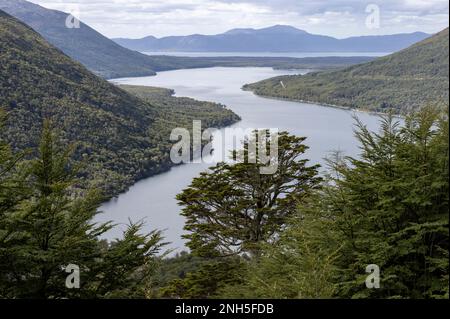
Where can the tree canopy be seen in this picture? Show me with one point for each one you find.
(232, 208)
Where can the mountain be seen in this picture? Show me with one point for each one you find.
(123, 137)
(99, 54)
(404, 81)
(106, 58)
(278, 38)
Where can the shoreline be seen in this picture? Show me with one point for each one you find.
(335, 106)
(166, 167)
(163, 169)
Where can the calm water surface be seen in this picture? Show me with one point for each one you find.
(328, 129)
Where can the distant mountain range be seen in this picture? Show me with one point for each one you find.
(106, 58)
(278, 38)
(403, 81)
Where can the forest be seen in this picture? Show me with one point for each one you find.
(122, 136)
(294, 234)
(105, 58)
(69, 140)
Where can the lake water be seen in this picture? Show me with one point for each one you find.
(328, 129)
(267, 54)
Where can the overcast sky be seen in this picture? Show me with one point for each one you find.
(339, 18)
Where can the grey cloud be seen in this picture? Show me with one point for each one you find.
(318, 6)
(135, 18)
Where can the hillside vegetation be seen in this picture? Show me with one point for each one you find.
(403, 81)
(114, 130)
(99, 54)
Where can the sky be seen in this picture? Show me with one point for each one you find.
(338, 18)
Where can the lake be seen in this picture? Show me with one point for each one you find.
(328, 129)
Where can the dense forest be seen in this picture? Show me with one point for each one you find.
(46, 226)
(403, 81)
(69, 139)
(114, 130)
(388, 207)
(293, 234)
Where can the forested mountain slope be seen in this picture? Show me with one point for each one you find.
(111, 127)
(403, 81)
(99, 54)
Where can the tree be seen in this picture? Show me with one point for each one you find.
(388, 207)
(12, 191)
(207, 281)
(301, 264)
(391, 208)
(55, 227)
(51, 227)
(127, 266)
(234, 207)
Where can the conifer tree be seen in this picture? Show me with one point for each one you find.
(391, 209)
(235, 207)
(388, 207)
(51, 226)
(12, 191)
(55, 224)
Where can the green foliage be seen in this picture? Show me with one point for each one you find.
(177, 267)
(235, 207)
(10, 179)
(127, 266)
(301, 264)
(47, 226)
(389, 207)
(206, 281)
(124, 138)
(404, 81)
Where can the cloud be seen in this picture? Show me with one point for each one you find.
(340, 18)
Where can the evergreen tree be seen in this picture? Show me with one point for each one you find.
(127, 266)
(51, 227)
(389, 207)
(12, 191)
(235, 207)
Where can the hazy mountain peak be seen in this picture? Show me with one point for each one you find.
(240, 31)
(279, 28)
(277, 38)
(285, 29)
